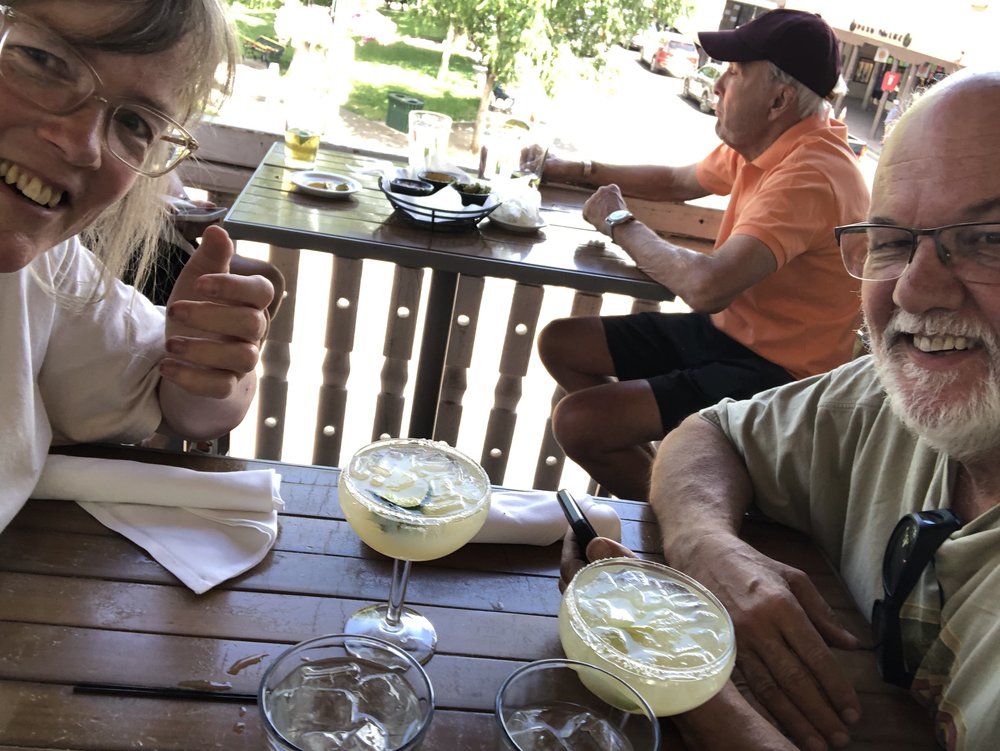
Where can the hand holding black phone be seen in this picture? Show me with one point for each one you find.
(582, 527)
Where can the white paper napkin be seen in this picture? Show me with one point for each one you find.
(534, 517)
(204, 527)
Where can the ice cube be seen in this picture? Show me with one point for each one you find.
(304, 709)
(331, 674)
(367, 735)
(588, 732)
(390, 697)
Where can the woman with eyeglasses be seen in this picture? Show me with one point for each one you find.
(96, 101)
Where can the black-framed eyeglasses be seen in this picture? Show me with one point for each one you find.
(880, 252)
(40, 66)
(911, 547)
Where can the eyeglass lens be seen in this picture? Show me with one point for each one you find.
(881, 253)
(43, 68)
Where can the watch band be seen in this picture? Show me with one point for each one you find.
(616, 219)
(588, 167)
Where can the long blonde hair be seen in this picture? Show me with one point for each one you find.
(126, 232)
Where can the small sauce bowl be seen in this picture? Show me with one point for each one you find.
(407, 187)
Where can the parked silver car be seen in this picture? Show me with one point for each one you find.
(700, 86)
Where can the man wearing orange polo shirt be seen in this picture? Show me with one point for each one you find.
(772, 302)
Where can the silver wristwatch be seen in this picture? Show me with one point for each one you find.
(616, 218)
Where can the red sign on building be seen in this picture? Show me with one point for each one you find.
(890, 81)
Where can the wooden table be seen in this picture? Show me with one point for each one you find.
(79, 603)
(568, 252)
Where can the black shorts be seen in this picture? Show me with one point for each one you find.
(688, 362)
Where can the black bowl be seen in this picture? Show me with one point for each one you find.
(438, 179)
(409, 187)
(472, 193)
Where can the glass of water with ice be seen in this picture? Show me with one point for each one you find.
(546, 706)
(345, 692)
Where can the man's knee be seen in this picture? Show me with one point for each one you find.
(552, 341)
(574, 344)
(576, 424)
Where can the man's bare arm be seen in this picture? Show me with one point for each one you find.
(707, 282)
(700, 491)
(649, 181)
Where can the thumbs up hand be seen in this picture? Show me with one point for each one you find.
(215, 323)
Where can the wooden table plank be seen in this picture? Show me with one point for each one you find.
(47, 713)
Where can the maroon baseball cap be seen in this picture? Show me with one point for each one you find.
(801, 44)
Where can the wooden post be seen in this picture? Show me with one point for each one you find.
(275, 360)
(341, 320)
(526, 304)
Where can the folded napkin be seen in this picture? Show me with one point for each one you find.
(534, 517)
(204, 527)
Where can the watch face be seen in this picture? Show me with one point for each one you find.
(617, 216)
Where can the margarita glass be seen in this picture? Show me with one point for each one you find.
(413, 500)
(657, 629)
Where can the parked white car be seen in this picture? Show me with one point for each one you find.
(700, 86)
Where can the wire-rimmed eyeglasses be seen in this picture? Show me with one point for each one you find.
(880, 252)
(45, 69)
(911, 547)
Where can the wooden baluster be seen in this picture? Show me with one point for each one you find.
(645, 306)
(400, 329)
(526, 304)
(276, 358)
(461, 339)
(548, 468)
(341, 318)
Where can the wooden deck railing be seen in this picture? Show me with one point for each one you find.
(228, 157)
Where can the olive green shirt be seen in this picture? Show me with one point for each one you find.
(827, 456)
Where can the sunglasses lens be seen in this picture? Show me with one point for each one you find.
(898, 554)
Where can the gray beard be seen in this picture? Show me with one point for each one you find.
(964, 429)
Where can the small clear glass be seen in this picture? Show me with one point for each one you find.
(342, 691)
(548, 706)
(413, 500)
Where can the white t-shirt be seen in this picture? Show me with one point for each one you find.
(70, 373)
(827, 456)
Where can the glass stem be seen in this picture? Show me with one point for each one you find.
(397, 592)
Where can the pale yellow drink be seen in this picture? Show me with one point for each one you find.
(414, 499)
(655, 628)
(302, 145)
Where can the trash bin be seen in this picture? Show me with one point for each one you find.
(398, 114)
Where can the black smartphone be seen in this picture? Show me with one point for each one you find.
(581, 525)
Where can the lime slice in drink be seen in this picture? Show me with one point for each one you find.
(403, 489)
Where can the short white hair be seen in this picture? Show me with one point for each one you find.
(807, 100)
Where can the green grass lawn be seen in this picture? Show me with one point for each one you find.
(380, 69)
(410, 68)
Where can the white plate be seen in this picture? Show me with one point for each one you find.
(520, 229)
(308, 182)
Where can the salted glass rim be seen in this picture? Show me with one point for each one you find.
(622, 660)
(386, 511)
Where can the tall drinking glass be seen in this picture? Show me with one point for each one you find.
(414, 500)
(428, 140)
(657, 629)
